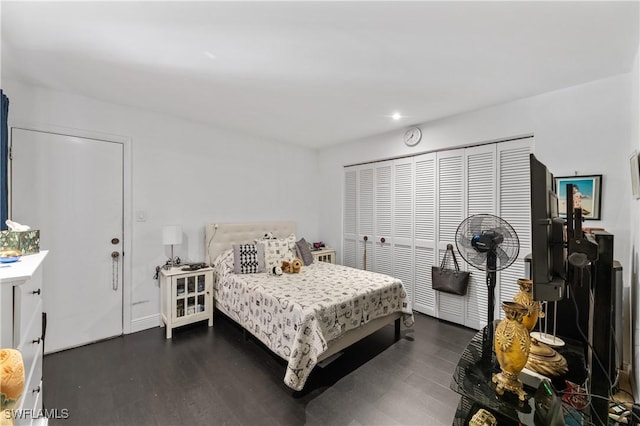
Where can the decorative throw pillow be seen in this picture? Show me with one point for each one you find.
(278, 250)
(304, 252)
(248, 258)
(224, 261)
(291, 242)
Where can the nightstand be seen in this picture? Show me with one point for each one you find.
(324, 255)
(186, 297)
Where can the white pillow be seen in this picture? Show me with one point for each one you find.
(224, 261)
(278, 250)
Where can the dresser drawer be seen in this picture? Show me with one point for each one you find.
(31, 394)
(27, 306)
(32, 344)
(37, 409)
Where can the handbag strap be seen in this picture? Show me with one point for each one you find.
(453, 256)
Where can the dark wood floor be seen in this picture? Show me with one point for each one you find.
(211, 376)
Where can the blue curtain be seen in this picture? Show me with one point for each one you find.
(4, 157)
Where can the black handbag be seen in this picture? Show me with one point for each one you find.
(452, 281)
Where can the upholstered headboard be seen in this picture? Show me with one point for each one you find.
(221, 236)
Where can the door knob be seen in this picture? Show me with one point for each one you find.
(382, 240)
(115, 254)
(115, 241)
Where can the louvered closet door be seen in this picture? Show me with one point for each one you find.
(481, 197)
(451, 179)
(365, 217)
(425, 232)
(403, 266)
(350, 217)
(514, 206)
(382, 260)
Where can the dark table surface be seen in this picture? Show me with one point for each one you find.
(472, 380)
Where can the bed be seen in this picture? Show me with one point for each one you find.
(306, 317)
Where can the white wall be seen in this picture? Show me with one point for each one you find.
(584, 129)
(189, 173)
(186, 173)
(634, 234)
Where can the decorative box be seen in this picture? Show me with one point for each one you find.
(26, 241)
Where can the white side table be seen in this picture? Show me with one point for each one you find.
(186, 297)
(324, 255)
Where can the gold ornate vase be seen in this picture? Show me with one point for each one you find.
(511, 344)
(525, 298)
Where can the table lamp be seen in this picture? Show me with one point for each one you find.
(171, 235)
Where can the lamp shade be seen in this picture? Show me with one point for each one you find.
(171, 235)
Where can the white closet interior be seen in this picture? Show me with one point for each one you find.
(399, 215)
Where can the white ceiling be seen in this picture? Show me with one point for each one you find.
(315, 73)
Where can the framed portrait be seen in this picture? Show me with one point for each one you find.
(587, 193)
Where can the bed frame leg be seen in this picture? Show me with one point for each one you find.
(396, 327)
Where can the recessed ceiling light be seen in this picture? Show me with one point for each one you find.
(396, 116)
(209, 54)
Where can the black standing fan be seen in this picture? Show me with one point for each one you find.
(490, 244)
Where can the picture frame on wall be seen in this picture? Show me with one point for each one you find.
(634, 164)
(587, 193)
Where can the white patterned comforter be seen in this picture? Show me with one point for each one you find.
(295, 315)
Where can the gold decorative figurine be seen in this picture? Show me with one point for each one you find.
(483, 418)
(511, 344)
(525, 298)
(542, 358)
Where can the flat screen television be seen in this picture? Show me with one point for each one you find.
(548, 249)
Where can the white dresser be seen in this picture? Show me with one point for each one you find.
(21, 288)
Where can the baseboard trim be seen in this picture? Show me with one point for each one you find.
(145, 323)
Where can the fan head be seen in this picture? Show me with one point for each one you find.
(487, 242)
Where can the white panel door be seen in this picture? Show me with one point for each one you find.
(350, 217)
(424, 232)
(366, 207)
(481, 199)
(382, 260)
(71, 188)
(514, 206)
(403, 182)
(451, 189)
